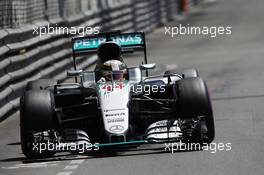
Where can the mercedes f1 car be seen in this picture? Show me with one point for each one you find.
(109, 112)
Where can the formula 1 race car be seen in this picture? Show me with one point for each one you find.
(119, 106)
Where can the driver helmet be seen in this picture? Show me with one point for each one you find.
(109, 51)
(110, 64)
(113, 70)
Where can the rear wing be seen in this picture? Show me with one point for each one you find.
(127, 41)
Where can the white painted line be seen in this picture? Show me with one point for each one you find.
(9, 168)
(71, 167)
(79, 161)
(32, 165)
(65, 173)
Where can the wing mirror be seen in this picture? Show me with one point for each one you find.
(134, 74)
(147, 66)
(74, 73)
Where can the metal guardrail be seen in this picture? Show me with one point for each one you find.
(25, 57)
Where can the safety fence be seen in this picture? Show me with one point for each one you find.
(25, 56)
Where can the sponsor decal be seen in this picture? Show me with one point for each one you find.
(115, 114)
(122, 40)
(116, 128)
(126, 40)
(108, 110)
(106, 89)
(88, 43)
(115, 120)
(111, 87)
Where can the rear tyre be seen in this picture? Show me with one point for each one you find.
(185, 73)
(193, 100)
(40, 84)
(36, 115)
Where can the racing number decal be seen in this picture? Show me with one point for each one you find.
(109, 87)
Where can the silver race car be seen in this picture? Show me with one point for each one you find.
(114, 105)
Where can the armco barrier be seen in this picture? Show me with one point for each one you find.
(25, 57)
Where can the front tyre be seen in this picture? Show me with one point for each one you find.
(193, 101)
(36, 115)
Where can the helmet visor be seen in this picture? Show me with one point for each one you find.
(113, 75)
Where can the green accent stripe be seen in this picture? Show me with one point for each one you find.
(122, 143)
